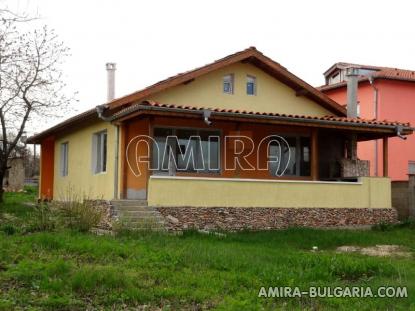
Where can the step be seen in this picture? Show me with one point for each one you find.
(137, 213)
(143, 224)
(134, 208)
(140, 220)
(117, 203)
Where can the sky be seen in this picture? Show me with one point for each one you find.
(152, 40)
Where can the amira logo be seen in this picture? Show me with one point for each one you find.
(202, 154)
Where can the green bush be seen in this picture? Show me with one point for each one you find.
(43, 218)
(383, 226)
(79, 215)
(408, 223)
(8, 229)
(77, 212)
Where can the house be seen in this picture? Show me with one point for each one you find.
(238, 143)
(384, 93)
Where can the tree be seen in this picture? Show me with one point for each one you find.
(31, 84)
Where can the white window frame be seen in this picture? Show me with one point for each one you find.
(229, 78)
(64, 159)
(99, 152)
(248, 78)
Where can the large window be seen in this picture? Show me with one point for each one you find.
(289, 155)
(99, 152)
(185, 150)
(64, 159)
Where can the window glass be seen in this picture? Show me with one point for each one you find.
(64, 159)
(289, 156)
(99, 152)
(186, 150)
(161, 150)
(228, 84)
(250, 85)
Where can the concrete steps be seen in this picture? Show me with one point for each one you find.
(136, 215)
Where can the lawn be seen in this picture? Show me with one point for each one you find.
(69, 270)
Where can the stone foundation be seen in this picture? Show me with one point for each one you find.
(181, 218)
(107, 213)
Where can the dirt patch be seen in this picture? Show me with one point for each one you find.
(377, 250)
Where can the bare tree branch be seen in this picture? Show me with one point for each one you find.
(31, 82)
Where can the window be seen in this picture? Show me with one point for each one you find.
(185, 150)
(250, 85)
(411, 167)
(289, 156)
(228, 84)
(64, 159)
(99, 152)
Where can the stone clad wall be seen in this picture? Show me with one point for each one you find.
(234, 218)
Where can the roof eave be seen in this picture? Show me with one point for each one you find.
(310, 121)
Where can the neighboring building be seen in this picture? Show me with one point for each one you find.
(383, 93)
(298, 175)
(15, 175)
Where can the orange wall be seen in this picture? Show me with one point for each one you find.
(47, 151)
(396, 100)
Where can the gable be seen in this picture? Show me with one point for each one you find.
(272, 96)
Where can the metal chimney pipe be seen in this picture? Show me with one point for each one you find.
(352, 77)
(110, 80)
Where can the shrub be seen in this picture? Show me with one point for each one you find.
(79, 213)
(408, 223)
(383, 226)
(43, 218)
(8, 229)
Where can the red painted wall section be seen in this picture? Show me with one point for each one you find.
(396, 102)
(47, 158)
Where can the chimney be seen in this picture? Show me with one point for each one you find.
(352, 77)
(352, 85)
(110, 81)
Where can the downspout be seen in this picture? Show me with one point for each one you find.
(100, 111)
(376, 115)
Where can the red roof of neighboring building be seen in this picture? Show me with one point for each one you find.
(380, 73)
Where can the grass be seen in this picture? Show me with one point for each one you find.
(68, 270)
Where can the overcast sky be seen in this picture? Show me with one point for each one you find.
(151, 40)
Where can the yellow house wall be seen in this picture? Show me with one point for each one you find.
(370, 192)
(271, 96)
(81, 179)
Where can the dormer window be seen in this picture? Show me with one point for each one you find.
(250, 85)
(228, 84)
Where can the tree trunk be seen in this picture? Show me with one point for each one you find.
(1, 187)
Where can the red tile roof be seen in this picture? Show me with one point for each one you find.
(167, 107)
(250, 55)
(130, 111)
(381, 73)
